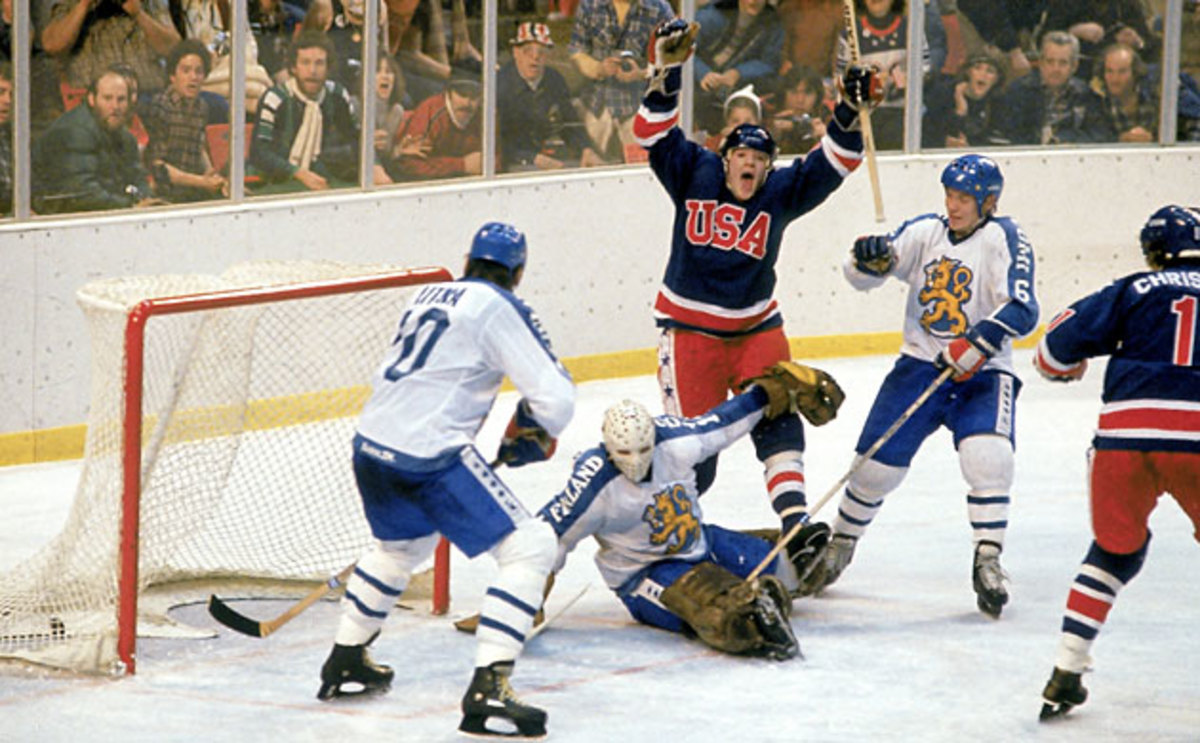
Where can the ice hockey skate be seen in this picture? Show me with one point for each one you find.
(1063, 691)
(349, 671)
(988, 579)
(828, 568)
(772, 607)
(492, 710)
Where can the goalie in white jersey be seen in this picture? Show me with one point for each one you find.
(637, 495)
(419, 474)
(971, 292)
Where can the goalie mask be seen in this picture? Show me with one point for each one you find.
(629, 438)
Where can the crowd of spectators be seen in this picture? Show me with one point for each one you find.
(569, 79)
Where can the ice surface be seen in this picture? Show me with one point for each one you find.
(895, 651)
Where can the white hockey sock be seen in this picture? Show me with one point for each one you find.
(988, 512)
(864, 495)
(506, 615)
(378, 580)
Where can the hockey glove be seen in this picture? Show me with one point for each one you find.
(672, 43)
(966, 355)
(814, 393)
(525, 441)
(874, 255)
(1052, 369)
(861, 85)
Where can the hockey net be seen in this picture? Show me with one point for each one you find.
(218, 448)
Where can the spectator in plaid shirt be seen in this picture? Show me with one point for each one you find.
(608, 45)
(1130, 102)
(177, 155)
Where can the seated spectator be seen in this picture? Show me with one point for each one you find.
(443, 137)
(177, 156)
(1006, 28)
(87, 160)
(740, 43)
(883, 44)
(87, 36)
(389, 114)
(963, 111)
(608, 46)
(539, 127)
(1051, 105)
(799, 111)
(741, 107)
(306, 129)
(1098, 23)
(6, 152)
(1129, 100)
(1131, 93)
(137, 126)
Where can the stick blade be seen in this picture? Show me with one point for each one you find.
(221, 612)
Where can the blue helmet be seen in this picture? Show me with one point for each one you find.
(749, 135)
(500, 243)
(1172, 232)
(977, 175)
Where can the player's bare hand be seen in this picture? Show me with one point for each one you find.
(311, 180)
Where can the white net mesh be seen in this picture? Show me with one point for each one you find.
(248, 414)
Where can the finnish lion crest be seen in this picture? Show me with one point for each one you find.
(672, 520)
(947, 288)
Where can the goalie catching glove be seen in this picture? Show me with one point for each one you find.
(796, 387)
(525, 441)
(672, 43)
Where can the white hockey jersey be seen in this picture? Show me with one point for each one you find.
(456, 342)
(637, 524)
(984, 281)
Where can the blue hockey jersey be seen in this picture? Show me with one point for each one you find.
(1148, 322)
(720, 275)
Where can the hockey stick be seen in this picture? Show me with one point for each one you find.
(237, 622)
(864, 113)
(858, 462)
(470, 623)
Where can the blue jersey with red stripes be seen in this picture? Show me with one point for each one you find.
(1149, 322)
(720, 276)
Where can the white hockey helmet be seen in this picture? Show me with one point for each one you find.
(629, 438)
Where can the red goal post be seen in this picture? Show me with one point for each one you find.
(221, 451)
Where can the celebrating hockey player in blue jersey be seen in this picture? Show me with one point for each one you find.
(971, 291)
(419, 474)
(1148, 438)
(636, 493)
(721, 324)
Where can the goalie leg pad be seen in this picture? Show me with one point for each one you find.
(725, 612)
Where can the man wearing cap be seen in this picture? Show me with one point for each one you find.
(539, 128)
(443, 138)
(306, 129)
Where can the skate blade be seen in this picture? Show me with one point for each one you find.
(1053, 711)
(330, 692)
(476, 727)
